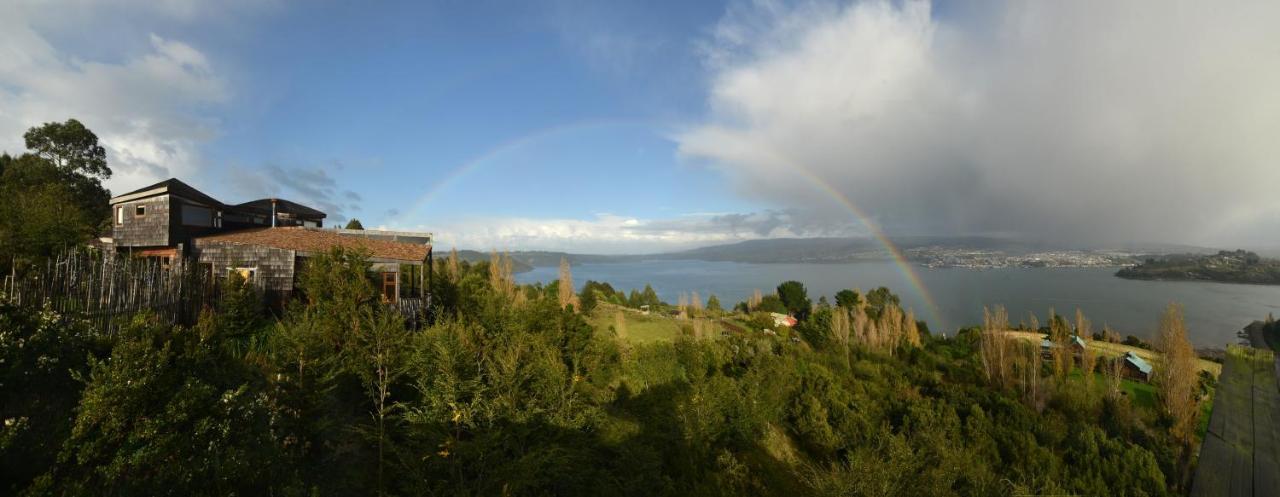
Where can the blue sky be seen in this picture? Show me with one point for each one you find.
(641, 126)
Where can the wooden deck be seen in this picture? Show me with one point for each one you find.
(1240, 456)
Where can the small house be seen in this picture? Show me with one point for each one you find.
(782, 320)
(1136, 367)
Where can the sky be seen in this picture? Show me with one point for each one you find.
(646, 126)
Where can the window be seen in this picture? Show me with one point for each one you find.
(119, 216)
(389, 281)
(139, 210)
(194, 215)
(246, 273)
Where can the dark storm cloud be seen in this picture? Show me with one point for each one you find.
(1074, 121)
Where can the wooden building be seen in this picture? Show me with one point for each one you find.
(161, 220)
(272, 257)
(265, 240)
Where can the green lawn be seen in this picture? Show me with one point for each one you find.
(639, 328)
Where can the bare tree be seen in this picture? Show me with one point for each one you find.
(453, 267)
(566, 295)
(1175, 375)
(911, 331)
(995, 353)
(1060, 338)
(1087, 357)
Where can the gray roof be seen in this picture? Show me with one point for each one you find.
(263, 205)
(1138, 362)
(170, 186)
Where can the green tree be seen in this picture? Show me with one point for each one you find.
(354, 224)
(69, 146)
(171, 413)
(878, 299)
(847, 299)
(771, 303)
(713, 304)
(52, 197)
(795, 298)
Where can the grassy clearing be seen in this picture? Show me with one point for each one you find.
(639, 327)
(1116, 350)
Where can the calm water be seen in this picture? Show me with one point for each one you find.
(1214, 311)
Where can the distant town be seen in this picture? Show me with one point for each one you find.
(954, 257)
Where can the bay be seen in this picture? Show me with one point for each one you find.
(1214, 312)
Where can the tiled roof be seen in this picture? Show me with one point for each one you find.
(315, 241)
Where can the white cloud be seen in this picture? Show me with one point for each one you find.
(146, 105)
(1152, 121)
(614, 234)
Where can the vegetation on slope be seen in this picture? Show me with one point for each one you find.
(513, 392)
(1226, 266)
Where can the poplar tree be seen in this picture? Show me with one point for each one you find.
(911, 331)
(566, 295)
(995, 353)
(1175, 375)
(1087, 358)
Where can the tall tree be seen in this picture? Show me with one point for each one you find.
(1087, 357)
(713, 304)
(847, 298)
(354, 224)
(1175, 375)
(995, 346)
(52, 197)
(565, 294)
(795, 298)
(71, 147)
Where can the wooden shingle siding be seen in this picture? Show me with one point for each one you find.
(150, 230)
(274, 267)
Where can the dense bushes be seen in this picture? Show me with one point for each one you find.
(513, 395)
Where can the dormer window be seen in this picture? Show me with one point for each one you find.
(139, 211)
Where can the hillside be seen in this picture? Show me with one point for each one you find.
(1225, 266)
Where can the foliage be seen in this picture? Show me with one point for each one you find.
(795, 298)
(42, 357)
(170, 413)
(848, 299)
(354, 224)
(502, 396)
(52, 197)
(1237, 266)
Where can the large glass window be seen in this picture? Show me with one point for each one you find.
(194, 215)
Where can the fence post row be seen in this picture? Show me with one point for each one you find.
(107, 290)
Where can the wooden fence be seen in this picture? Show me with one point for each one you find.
(108, 290)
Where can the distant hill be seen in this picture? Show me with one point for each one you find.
(773, 250)
(517, 266)
(1225, 266)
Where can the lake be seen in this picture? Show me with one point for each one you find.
(1215, 312)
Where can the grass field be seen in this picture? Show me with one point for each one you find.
(1116, 350)
(639, 327)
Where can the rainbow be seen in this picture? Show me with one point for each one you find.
(817, 182)
(460, 172)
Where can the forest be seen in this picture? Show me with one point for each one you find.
(511, 391)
